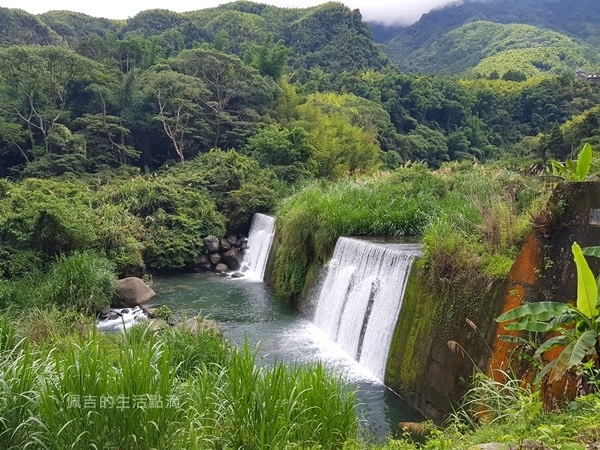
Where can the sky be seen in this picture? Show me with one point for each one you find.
(402, 12)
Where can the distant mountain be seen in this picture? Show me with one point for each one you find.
(73, 26)
(18, 27)
(441, 41)
(330, 36)
(486, 46)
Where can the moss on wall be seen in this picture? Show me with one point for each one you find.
(421, 366)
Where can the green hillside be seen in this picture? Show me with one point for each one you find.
(531, 61)
(18, 27)
(330, 36)
(440, 40)
(466, 46)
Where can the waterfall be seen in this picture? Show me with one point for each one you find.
(361, 297)
(260, 240)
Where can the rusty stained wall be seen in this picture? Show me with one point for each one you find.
(422, 368)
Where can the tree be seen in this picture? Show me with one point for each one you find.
(36, 84)
(238, 93)
(178, 100)
(514, 75)
(288, 152)
(269, 59)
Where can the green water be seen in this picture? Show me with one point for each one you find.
(246, 308)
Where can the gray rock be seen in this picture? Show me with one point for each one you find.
(215, 258)
(157, 325)
(489, 446)
(233, 258)
(204, 264)
(125, 311)
(224, 245)
(237, 275)
(221, 268)
(104, 311)
(150, 312)
(232, 240)
(131, 292)
(223, 274)
(113, 316)
(242, 243)
(211, 244)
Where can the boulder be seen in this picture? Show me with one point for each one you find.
(150, 312)
(203, 263)
(242, 243)
(221, 268)
(237, 275)
(215, 258)
(198, 324)
(211, 244)
(224, 245)
(132, 292)
(157, 325)
(232, 240)
(233, 258)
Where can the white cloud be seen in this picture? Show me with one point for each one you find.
(387, 11)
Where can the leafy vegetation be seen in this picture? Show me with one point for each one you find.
(577, 326)
(122, 149)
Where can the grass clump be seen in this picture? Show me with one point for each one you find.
(82, 282)
(510, 413)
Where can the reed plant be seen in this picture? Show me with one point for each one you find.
(20, 426)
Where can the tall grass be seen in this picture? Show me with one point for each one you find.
(166, 391)
(240, 405)
(82, 281)
(19, 424)
(310, 222)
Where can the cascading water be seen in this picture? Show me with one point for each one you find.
(260, 239)
(361, 297)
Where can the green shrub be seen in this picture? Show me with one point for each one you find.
(175, 218)
(41, 219)
(236, 183)
(82, 281)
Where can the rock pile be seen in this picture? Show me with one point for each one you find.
(221, 255)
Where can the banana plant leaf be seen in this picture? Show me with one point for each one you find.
(584, 161)
(591, 251)
(534, 310)
(587, 288)
(550, 344)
